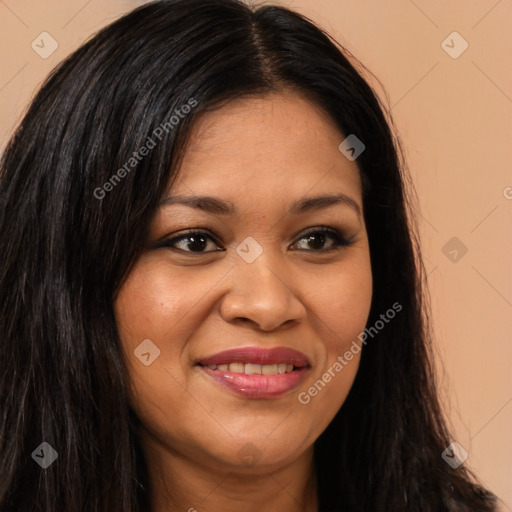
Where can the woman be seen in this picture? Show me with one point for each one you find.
(210, 284)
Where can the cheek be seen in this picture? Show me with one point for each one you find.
(341, 309)
(155, 302)
(342, 304)
(342, 313)
(159, 304)
(151, 306)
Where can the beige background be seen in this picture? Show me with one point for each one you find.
(454, 117)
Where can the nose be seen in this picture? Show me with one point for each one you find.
(263, 295)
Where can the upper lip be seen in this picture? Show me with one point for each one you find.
(257, 355)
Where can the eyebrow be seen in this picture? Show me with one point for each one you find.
(220, 207)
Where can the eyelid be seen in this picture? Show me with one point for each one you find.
(163, 241)
(340, 239)
(336, 234)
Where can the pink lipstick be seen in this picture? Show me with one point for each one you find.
(254, 372)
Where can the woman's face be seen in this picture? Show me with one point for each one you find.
(263, 276)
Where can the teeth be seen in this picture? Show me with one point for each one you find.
(237, 367)
(251, 369)
(269, 369)
(254, 369)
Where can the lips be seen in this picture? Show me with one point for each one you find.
(255, 355)
(254, 372)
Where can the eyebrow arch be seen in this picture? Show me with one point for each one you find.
(305, 204)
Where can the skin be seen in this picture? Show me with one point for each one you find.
(261, 154)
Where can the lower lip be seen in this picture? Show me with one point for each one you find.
(256, 385)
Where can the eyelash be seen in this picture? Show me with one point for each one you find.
(339, 240)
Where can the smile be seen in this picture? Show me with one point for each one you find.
(254, 369)
(257, 373)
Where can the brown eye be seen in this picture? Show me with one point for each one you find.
(317, 238)
(191, 242)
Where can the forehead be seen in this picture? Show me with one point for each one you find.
(266, 147)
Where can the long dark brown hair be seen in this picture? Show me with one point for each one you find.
(68, 241)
